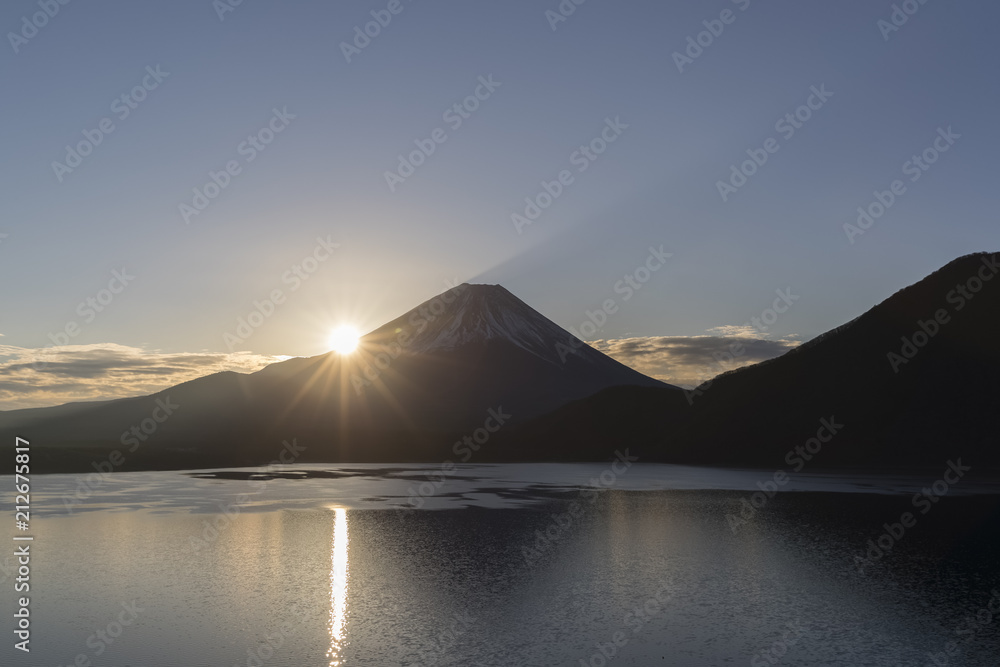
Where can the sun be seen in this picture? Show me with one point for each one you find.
(344, 339)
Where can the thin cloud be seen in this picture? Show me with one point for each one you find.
(36, 377)
(687, 361)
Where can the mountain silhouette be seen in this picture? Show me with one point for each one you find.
(910, 384)
(913, 382)
(413, 386)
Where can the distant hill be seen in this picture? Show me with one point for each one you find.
(910, 384)
(914, 381)
(414, 386)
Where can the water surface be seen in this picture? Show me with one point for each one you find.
(525, 565)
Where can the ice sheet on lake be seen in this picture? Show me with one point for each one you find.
(429, 487)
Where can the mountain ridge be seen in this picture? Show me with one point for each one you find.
(940, 399)
(947, 391)
(414, 382)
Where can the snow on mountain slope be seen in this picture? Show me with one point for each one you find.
(475, 314)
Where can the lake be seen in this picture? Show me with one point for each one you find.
(550, 564)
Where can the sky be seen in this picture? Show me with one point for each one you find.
(177, 163)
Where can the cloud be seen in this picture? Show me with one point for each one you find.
(687, 361)
(36, 377)
(736, 331)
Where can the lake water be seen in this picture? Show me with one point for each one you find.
(554, 564)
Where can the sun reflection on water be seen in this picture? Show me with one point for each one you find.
(338, 587)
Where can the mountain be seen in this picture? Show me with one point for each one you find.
(478, 346)
(909, 385)
(415, 386)
(913, 382)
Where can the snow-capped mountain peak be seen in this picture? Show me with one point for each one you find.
(469, 314)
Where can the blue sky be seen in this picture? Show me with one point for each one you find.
(344, 124)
